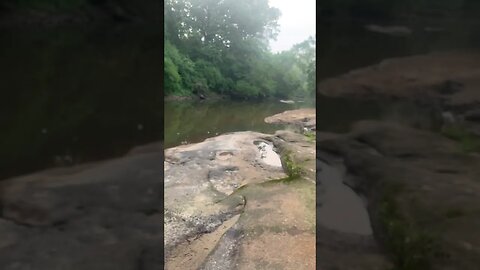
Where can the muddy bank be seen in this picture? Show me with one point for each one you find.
(242, 200)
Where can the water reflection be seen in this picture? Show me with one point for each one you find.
(77, 92)
(190, 121)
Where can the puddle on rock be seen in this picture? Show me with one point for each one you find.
(341, 208)
(267, 155)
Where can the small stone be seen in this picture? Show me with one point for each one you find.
(467, 246)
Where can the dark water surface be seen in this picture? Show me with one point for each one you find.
(190, 122)
(75, 94)
(194, 121)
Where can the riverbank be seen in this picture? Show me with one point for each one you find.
(420, 184)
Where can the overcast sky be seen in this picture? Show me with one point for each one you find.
(297, 22)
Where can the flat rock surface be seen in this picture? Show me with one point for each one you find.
(229, 208)
(301, 117)
(103, 215)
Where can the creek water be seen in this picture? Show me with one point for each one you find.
(194, 121)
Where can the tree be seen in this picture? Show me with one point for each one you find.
(222, 46)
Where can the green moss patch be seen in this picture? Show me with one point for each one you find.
(411, 247)
(454, 213)
(468, 142)
(311, 136)
(293, 169)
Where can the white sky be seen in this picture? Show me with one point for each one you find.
(297, 22)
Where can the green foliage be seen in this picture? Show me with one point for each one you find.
(211, 74)
(293, 170)
(247, 89)
(454, 213)
(311, 136)
(172, 80)
(181, 76)
(468, 142)
(411, 247)
(222, 47)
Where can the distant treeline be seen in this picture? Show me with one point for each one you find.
(221, 48)
(395, 9)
